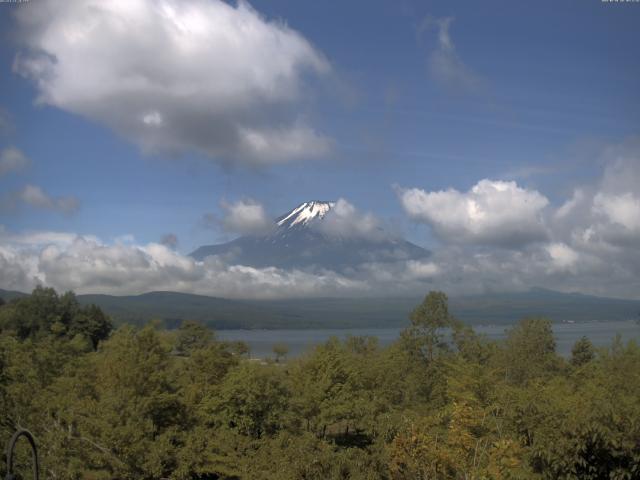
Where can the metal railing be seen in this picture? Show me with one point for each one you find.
(34, 454)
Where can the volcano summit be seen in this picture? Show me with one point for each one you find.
(303, 238)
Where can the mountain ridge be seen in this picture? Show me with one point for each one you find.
(296, 241)
(329, 312)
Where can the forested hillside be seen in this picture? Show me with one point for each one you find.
(356, 312)
(146, 403)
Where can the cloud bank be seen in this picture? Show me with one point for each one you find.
(174, 76)
(85, 264)
(500, 236)
(497, 236)
(491, 213)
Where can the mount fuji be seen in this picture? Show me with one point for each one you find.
(300, 239)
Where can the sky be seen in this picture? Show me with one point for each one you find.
(502, 136)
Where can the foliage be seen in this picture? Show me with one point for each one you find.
(280, 350)
(582, 352)
(529, 351)
(192, 336)
(45, 313)
(440, 403)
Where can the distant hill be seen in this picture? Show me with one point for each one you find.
(500, 308)
(172, 308)
(560, 307)
(8, 295)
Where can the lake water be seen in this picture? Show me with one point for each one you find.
(261, 342)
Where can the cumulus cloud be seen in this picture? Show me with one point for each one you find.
(615, 203)
(620, 209)
(604, 218)
(491, 213)
(570, 206)
(553, 265)
(562, 256)
(11, 158)
(244, 217)
(444, 63)
(35, 240)
(346, 221)
(589, 242)
(87, 265)
(176, 76)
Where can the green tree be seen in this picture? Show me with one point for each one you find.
(45, 313)
(280, 350)
(425, 337)
(92, 323)
(253, 400)
(239, 348)
(192, 336)
(32, 316)
(582, 352)
(200, 374)
(529, 351)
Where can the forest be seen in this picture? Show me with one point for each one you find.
(442, 402)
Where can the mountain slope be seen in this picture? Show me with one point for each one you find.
(297, 240)
(504, 308)
(8, 295)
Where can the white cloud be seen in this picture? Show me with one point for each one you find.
(491, 213)
(604, 219)
(417, 269)
(621, 209)
(274, 145)
(86, 265)
(12, 159)
(569, 207)
(562, 255)
(176, 76)
(346, 221)
(244, 217)
(445, 65)
(36, 239)
(589, 243)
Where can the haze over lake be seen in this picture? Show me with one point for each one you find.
(299, 341)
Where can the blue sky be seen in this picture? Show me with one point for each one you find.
(397, 95)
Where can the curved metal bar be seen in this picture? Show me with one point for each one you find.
(34, 452)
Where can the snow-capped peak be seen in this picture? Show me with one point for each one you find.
(305, 213)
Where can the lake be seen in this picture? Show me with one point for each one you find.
(261, 342)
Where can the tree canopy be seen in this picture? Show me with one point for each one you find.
(440, 403)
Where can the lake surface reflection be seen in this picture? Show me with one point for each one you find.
(261, 342)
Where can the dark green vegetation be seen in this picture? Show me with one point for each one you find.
(44, 314)
(151, 404)
(172, 308)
